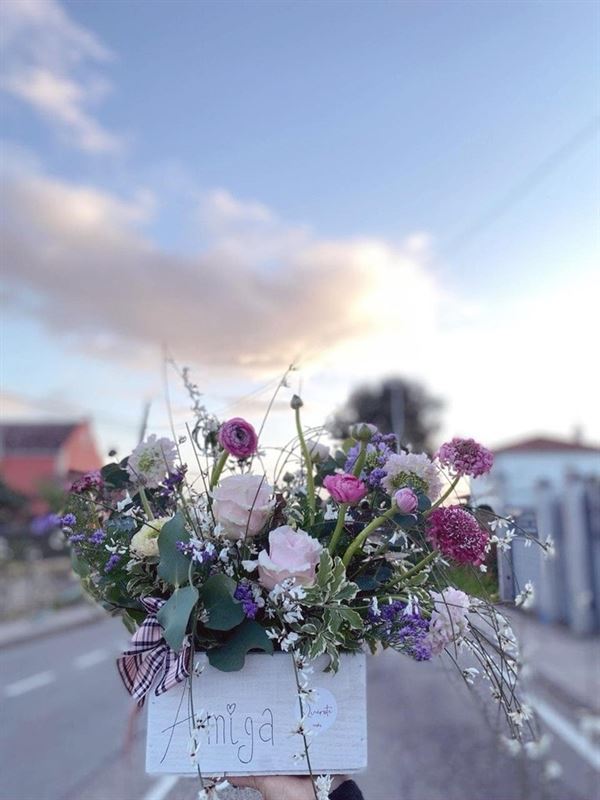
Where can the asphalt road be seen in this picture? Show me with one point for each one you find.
(67, 732)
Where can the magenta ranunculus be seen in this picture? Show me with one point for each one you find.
(345, 488)
(292, 554)
(406, 500)
(457, 535)
(238, 437)
(466, 457)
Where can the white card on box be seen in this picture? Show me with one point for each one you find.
(252, 715)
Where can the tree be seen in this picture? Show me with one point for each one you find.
(395, 406)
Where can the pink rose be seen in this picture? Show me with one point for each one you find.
(242, 505)
(238, 437)
(406, 500)
(345, 488)
(292, 554)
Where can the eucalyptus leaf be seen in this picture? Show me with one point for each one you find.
(223, 610)
(231, 656)
(175, 614)
(174, 565)
(79, 567)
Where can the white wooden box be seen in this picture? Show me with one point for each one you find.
(252, 715)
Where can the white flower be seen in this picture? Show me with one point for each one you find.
(552, 770)
(525, 598)
(323, 786)
(144, 543)
(449, 621)
(151, 461)
(415, 470)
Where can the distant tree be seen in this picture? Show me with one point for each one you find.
(396, 406)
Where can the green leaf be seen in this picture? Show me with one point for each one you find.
(174, 566)
(231, 656)
(79, 567)
(175, 614)
(224, 611)
(350, 616)
(114, 475)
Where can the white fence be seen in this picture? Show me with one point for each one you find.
(567, 587)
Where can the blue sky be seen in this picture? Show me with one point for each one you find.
(369, 186)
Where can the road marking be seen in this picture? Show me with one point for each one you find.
(28, 684)
(90, 659)
(161, 788)
(567, 732)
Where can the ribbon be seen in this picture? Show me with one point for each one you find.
(150, 656)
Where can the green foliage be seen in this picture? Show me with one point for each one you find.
(115, 476)
(224, 611)
(231, 656)
(175, 614)
(174, 566)
(331, 585)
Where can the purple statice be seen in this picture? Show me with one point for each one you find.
(97, 537)
(200, 552)
(173, 481)
(112, 562)
(466, 457)
(401, 627)
(249, 596)
(75, 538)
(379, 449)
(68, 520)
(42, 526)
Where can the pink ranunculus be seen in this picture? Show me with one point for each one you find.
(406, 500)
(292, 554)
(238, 437)
(242, 505)
(345, 488)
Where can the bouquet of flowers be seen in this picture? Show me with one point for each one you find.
(338, 552)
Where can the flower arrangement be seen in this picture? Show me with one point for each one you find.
(343, 551)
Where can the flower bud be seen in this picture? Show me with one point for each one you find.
(296, 402)
(406, 500)
(363, 431)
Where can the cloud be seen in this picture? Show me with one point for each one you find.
(46, 64)
(260, 294)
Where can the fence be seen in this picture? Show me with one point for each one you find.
(567, 586)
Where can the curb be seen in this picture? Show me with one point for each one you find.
(20, 631)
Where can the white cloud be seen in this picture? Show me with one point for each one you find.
(45, 64)
(260, 295)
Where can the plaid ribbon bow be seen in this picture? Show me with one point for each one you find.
(150, 655)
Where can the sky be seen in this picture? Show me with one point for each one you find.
(361, 188)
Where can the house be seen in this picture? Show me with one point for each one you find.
(38, 456)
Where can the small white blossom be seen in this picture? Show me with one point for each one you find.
(323, 786)
(470, 674)
(552, 770)
(513, 746)
(539, 748)
(525, 598)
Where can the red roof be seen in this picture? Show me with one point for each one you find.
(35, 437)
(542, 444)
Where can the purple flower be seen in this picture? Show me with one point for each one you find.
(173, 481)
(238, 437)
(406, 500)
(248, 597)
(458, 535)
(88, 482)
(41, 526)
(112, 562)
(379, 449)
(97, 537)
(466, 457)
(68, 520)
(199, 552)
(400, 627)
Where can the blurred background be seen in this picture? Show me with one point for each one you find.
(398, 198)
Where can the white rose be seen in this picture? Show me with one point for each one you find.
(318, 452)
(242, 505)
(292, 554)
(144, 543)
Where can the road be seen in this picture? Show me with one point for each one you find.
(68, 732)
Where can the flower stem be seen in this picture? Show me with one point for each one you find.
(218, 469)
(358, 543)
(360, 459)
(310, 480)
(338, 527)
(445, 496)
(420, 565)
(145, 503)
